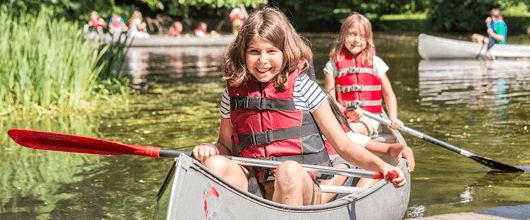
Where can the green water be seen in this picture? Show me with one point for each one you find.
(480, 107)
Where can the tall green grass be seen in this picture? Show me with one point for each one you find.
(48, 65)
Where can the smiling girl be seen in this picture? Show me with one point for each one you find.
(272, 110)
(357, 77)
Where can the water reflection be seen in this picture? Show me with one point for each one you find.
(472, 82)
(168, 64)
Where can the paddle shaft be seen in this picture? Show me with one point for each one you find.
(273, 164)
(79, 144)
(482, 160)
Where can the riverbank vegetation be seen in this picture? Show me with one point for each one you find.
(48, 66)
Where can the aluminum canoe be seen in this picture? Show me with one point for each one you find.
(432, 47)
(191, 191)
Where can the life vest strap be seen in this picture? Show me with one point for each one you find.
(259, 138)
(354, 70)
(248, 102)
(362, 103)
(358, 88)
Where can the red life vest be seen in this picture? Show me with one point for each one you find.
(200, 30)
(94, 23)
(267, 125)
(236, 21)
(357, 84)
(174, 33)
(116, 21)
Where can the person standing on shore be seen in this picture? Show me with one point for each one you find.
(497, 30)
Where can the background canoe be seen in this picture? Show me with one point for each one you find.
(431, 47)
(191, 191)
(192, 41)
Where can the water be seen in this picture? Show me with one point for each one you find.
(480, 107)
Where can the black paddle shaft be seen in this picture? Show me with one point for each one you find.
(482, 160)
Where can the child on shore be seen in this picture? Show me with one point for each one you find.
(357, 77)
(378, 148)
(272, 110)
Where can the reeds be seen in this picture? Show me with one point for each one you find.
(47, 65)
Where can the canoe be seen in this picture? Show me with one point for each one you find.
(164, 40)
(191, 191)
(192, 41)
(431, 47)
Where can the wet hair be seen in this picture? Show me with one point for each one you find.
(337, 111)
(271, 25)
(350, 22)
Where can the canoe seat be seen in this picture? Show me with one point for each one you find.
(384, 137)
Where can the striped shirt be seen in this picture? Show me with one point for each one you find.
(307, 95)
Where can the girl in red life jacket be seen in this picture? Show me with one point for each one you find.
(378, 148)
(357, 77)
(268, 93)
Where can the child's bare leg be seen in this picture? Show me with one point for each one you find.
(228, 170)
(363, 126)
(293, 186)
(337, 180)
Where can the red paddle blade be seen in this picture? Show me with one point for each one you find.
(72, 143)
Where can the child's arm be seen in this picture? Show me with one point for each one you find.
(329, 84)
(392, 150)
(223, 145)
(391, 102)
(348, 150)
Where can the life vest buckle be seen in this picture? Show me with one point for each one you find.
(354, 70)
(355, 88)
(260, 138)
(358, 103)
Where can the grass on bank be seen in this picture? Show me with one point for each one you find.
(48, 66)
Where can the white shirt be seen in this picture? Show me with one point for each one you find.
(380, 67)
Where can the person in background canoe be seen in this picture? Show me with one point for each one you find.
(378, 148)
(201, 31)
(175, 29)
(237, 17)
(116, 24)
(496, 29)
(358, 77)
(137, 27)
(96, 22)
(271, 110)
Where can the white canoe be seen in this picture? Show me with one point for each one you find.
(191, 191)
(431, 47)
